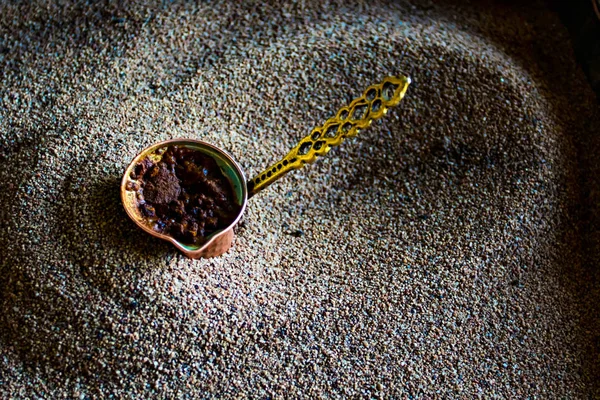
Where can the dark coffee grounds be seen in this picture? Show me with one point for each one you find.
(162, 186)
(185, 195)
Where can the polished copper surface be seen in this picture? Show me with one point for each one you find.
(220, 242)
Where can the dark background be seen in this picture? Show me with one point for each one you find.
(584, 26)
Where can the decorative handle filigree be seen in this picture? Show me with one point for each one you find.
(349, 120)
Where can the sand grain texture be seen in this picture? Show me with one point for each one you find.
(450, 251)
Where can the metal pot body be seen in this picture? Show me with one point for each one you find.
(216, 244)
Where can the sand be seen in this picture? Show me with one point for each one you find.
(449, 251)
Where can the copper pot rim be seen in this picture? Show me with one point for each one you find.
(196, 252)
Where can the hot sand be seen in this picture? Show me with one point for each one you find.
(449, 251)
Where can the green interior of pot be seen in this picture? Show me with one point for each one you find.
(230, 171)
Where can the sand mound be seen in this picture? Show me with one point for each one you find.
(440, 254)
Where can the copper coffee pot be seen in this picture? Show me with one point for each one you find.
(348, 122)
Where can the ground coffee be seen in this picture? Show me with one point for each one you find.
(185, 194)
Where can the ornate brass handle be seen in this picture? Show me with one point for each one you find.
(359, 114)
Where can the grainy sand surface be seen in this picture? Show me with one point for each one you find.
(450, 251)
